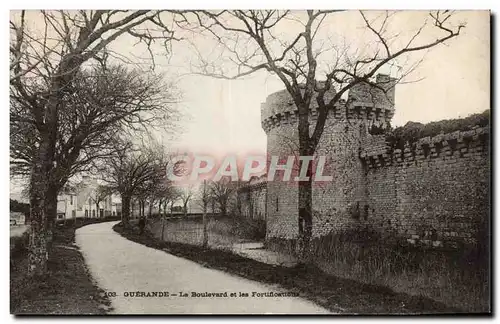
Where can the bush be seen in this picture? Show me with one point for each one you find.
(412, 131)
(252, 229)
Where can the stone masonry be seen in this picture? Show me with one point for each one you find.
(433, 191)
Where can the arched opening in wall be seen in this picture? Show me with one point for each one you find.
(364, 165)
(453, 145)
(381, 160)
(413, 149)
(467, 142)
(378, 112)
(439, 147)
(368, 113)
(426, 148)
(483, 139)
(372, 161)
(357, 111)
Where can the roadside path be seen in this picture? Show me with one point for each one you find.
(122, 266)
(18, 230)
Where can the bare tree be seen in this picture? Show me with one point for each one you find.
(99, 195)
(128, 171)
(185, 195)
(205, 198)
(43, 66)
(168, 196)
(107, 100)
(250, 41)
(221, 192)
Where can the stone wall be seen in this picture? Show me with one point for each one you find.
(436, 192)
(433, 191)
(253, 200)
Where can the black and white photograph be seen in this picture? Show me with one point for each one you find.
(250, 162)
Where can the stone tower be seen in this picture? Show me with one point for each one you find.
(346, 132)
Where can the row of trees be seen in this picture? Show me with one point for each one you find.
(140, 175)
(69, 99)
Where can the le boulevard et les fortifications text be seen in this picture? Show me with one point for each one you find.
(194, 294)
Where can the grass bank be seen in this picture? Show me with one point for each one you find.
(222, 232)
(458, 277)
(339, 295)
(67, 288)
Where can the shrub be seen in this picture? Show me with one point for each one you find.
(252, 229)
(412, 131)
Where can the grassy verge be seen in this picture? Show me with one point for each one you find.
(458, 277)
(68, 287)
(449, 277)
(336, 294)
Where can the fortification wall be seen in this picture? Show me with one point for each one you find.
(345, 127)
(332, 201)
(253, 199)
(435, 191)
(370, 104)
(432, 191)
(282, 208)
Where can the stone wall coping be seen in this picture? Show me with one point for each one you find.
(427, 147)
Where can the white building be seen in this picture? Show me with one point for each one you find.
(80, 202)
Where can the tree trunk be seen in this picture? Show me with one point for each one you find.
(305, 218)
(305, 188)
(223, 210)
(205, 234)
(150, 209)
(51, 212)
(163, 226)
(39, 184)
(43, 165)
(185, 210)
(97, 210)
(126, 210)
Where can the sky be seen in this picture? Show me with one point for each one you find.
(223, 116)
(454, 82)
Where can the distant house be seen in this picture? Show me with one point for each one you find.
(18, 217)
(66, 205)
(177, 209)
(79, 202)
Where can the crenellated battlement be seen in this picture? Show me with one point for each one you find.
(380, 96)
(445, 146)
(416, 184)
(364, 102)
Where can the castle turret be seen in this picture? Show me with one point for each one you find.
(345, 129)
(375, 103)
(431, 190)
(371, 103)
